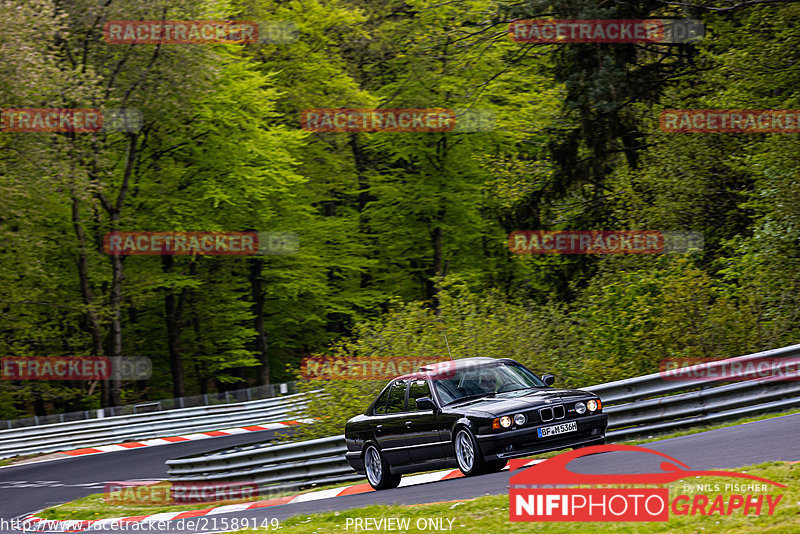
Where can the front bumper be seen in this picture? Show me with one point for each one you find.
(525, 441)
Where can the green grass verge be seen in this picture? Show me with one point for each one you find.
(21, 459)
(95, 507)
(490, 514)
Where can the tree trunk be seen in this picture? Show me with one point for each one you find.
(172, 318)
(262, 346)
(437, 267)
(92, 321)
(362, 166)
(116, 328)
(117, 276)
(199, 366)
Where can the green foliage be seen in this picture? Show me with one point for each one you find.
(635, 314)
(402, 235)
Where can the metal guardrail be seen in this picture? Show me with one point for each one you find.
(96, 432)
(277, 467)
(207, 399)
(641, 405)
(653, 403)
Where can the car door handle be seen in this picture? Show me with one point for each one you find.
(378, 428)
(408, 423)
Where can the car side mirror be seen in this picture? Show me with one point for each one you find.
(548, 380)
(425, 403)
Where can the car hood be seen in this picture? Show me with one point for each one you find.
(535, 398)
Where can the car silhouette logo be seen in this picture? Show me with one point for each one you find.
(553, 471)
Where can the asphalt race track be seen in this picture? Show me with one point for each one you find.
(750, 443)
(29, 487)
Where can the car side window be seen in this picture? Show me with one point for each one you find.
(380, 404)
(447, 390)
(417, 389)
(397, 398)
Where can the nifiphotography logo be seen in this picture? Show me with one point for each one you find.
(541, 492)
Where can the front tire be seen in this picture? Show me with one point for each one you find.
(468, 455)
(378, 474)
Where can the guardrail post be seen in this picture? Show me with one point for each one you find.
(101, 413)
(205, 399)
(249, 394)
(227, 397)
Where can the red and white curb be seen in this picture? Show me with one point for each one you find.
(185, 437)
(36, 524)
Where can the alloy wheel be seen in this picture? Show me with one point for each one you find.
(465, 451)
(373, 465)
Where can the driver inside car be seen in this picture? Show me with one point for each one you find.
(489, 382)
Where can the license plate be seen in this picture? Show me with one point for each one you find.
(547, 431)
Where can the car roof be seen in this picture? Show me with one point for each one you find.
(452, 365)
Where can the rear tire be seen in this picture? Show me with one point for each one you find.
(378, 474)
(468, 455)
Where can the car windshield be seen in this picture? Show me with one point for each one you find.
(483, 380)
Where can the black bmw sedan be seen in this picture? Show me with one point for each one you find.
(474, 413)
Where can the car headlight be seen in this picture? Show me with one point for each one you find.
(580, 408)
(505, 421)
(593, 405)
(520, 419)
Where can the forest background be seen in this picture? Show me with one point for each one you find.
(403, 236)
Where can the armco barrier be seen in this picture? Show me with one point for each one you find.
(233, 396)
(96, 432)
(278, 467)
(635, 406)
(652, 403)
